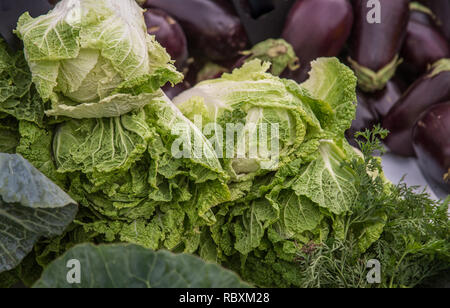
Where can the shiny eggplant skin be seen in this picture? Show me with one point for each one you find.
(382, 101)
(441, 8)
(420, 13)
(172, 92)
(430, 89)
(375, 47)
(423, 45)
(168, 33)
(317, 28)
(211, 26)
(431, 140)
(373, 107)
(300, 75)
(365, 118)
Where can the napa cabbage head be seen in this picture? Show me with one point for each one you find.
(260, 122)
(253, 118)
(94, 58)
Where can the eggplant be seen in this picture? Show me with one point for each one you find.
(373, 107)
(193, 68)
(299, 75)
(375, 47)
(424, 45)
(382, 101)
(422, 14)
(169, 34)
(430, 89)
(365, 119)
(441, 8)
(317, 28)
(211, 26)
(431, 141)
(174, 91)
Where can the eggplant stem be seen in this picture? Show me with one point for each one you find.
(370, 81)
(416, 6)
(294, 64)
(439, 66)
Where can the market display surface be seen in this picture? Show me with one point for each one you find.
(151, 145)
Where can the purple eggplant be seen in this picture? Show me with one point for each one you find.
(376, 41)
(422, 14)
(172, 92)
(373, 107)
(211, 26)
(441, 8)
(430, 89)
(317, 28)
(424, 45)
(168, 33)
(382, 101)
(300, 75)
(365, 119)
(431, 140)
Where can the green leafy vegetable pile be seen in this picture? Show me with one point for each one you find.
(320, 195)
(83, 105)
(113, 133)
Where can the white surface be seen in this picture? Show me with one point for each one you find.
(395, 167)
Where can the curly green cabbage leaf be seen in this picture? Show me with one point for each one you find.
(332, 82)
(18, 96)
(9, 135)
(22, 118)
(94, 58)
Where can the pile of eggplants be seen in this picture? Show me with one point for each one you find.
(398, 49)
(430, 89)
(211, 26)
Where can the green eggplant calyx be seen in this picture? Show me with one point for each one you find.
(439, 66)
(370, 81)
